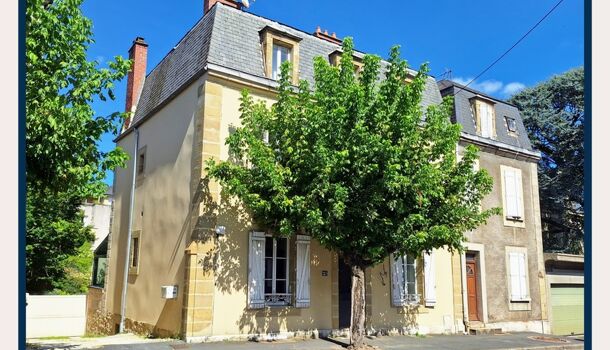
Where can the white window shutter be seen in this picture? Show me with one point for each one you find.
(522, 276)
(510, 193)
(484, 119)
(515, 280)
(256, 271)
(398, 284)
(303, 267)
(518, 194)
(429, 279)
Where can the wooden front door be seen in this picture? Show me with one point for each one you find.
(471, 287)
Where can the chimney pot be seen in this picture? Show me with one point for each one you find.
(135, 78)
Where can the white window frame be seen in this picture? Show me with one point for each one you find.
(405, 298)
(518, 281)
(276, 60)
(512, 203)
(273, 298)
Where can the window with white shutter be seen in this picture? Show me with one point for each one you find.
(281, 54)
(518, 276)
(404, 282)
(429, 280)
(513, 193)
(303, 266)
(486, 120)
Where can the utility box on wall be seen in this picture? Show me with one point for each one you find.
(169, 292)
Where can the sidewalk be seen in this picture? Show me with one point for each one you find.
(517, 341)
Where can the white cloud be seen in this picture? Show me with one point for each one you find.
(512, 88)
(492, 87)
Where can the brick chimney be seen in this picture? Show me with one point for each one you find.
(328, 37)
(208, 4)
(135, 78)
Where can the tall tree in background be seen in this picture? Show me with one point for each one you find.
(357, 165)
(553, 113)
(63, 163)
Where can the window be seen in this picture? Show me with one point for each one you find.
(404, 282)
(141, 161)
(134, 254)
(269, 271)
(511, 124)
(486, 120)
(278, 47)
(518, 276)
(281, 54)
(513, 193)
(276, 271)
(99, 270)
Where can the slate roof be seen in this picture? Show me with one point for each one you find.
(463, 114)
(230, 38)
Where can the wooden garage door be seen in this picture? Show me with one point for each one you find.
(568, 308)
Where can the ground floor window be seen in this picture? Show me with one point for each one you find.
(276, 271)
(404, 280)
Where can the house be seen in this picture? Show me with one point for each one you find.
(504, 283)
(194, 264)
(566, 286)
(98, 214)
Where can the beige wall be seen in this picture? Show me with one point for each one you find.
(495, 236)
(437, 319)
(231, 315)
(161, 212)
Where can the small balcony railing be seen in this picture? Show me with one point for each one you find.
(278, 299)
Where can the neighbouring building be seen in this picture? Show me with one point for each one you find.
(198, 269)
(504, 286)
(566, 286)
(98, 215)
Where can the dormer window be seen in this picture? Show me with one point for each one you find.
(280, 54)
(278, 47)
(511, 124)
(484, 112)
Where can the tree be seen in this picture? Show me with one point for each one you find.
(63, 163)
(553, 114)
(357, 165)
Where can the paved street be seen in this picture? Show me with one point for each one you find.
(521, 341)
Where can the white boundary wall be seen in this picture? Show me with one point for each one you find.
(55, 315)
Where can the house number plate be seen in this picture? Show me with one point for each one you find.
(324, 273)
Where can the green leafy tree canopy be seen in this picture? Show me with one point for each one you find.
(553, 114)
(357, 164)
(63, 162)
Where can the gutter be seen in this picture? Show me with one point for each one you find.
(129, 229)
(500, 147)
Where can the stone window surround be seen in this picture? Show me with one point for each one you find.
(136, 234)
(269, 37)
(475, 104)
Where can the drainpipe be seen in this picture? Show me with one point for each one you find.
(129, 228)
(464, 293)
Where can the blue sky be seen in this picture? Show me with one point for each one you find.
(463, 36)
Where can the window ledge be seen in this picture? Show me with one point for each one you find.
(524, 300)
(514, 218)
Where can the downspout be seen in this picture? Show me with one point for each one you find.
(129, 228)
(464, 293)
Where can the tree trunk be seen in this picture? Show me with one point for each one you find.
(358, 307)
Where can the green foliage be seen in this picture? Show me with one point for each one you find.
(356, 163)
(77, 269)
(63, 162)
(553, 114)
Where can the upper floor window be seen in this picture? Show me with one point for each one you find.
(486, 120)
(512, 194)
(280, 54)
(511, 124)
(278, 47)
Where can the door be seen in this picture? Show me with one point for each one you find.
(471, 288)
(567, 309)
(345, 295)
